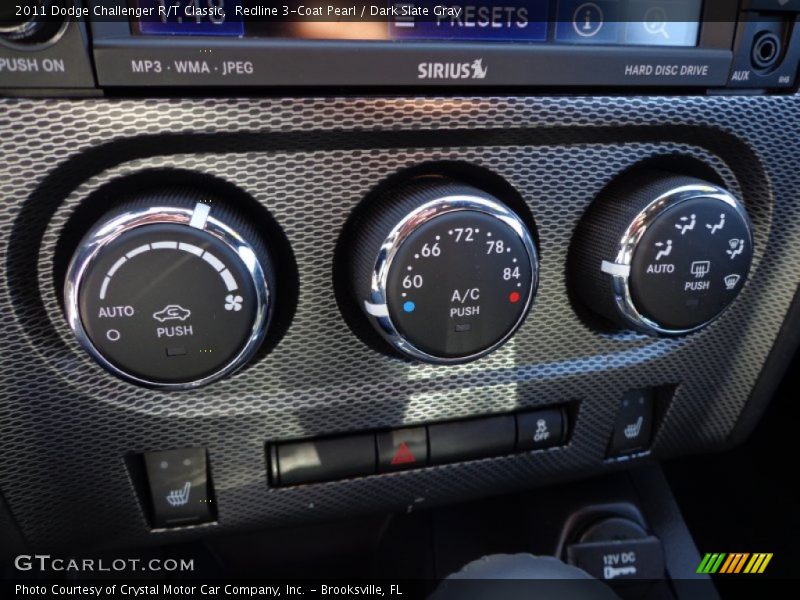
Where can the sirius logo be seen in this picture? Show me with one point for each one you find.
(452, 70)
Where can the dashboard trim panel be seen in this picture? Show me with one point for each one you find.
(309, 162)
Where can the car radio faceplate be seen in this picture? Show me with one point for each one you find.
(609, 44)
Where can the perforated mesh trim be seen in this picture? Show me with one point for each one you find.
(66, 425)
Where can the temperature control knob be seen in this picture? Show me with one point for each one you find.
(170, 290)
(662, 254)
(444, 271)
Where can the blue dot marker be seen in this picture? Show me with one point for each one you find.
(409, 306)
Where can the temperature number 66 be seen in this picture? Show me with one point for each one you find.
(430, 250)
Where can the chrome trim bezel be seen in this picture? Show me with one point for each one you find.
(22, 28)
(13, 36)
(620, 283)
(400, 233)
(108, 231)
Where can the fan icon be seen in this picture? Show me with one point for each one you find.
(233, 302)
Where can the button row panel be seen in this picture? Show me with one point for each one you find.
(362, 454)
(178, 486)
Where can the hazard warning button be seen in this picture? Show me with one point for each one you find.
(402, 449)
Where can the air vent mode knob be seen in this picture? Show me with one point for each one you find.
(661, 254)
(170, 290)
(444, 271)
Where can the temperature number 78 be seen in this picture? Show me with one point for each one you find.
(496, 246)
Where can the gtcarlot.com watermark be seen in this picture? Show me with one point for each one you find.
(46, 563)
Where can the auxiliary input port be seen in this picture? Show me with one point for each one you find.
(766, 50)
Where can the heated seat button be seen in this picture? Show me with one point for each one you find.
(634, 424)
(540, 429)
(402, 449)
(466, 440)
(179, 489)
(323, 460)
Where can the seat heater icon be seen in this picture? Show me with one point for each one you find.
(632, 431)
(179, 497)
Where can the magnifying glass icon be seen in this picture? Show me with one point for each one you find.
(655, 22)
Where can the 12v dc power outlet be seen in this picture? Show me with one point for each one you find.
(617, 549)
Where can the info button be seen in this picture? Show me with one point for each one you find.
(588, 22)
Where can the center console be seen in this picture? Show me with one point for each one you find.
(256, 275)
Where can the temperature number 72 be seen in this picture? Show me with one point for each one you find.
(465, 232)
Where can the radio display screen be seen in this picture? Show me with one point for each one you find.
(606, 22)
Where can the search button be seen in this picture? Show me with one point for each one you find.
(663, 23)
(655, 22)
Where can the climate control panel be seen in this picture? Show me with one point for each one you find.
(444, 271)
(661, 253)
(174, 289)
(171, 290)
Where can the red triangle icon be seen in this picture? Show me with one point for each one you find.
(403, 455)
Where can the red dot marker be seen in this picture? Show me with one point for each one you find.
(514, 297)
